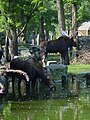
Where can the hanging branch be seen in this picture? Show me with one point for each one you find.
(28, 18)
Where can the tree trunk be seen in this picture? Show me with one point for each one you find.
(61, 18)
(13, 43)
(42, 36)
(47, 35)
(74, 19)
(7, 57)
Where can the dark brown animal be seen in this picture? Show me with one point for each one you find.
(34, 70)
(61, 45)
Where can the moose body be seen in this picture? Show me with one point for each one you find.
(34, 70)
(61, 45)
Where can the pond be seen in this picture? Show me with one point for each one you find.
(70, 108)
(61, 105)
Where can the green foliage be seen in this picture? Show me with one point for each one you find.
(32, 9)
(83, 11)
(7, 111)
(49, 12)
(11, 11)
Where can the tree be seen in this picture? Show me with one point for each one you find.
(14, 25)
(74, 18)
(83, 13)
(61, 19)
(71, 15)
(17, 18)
(80, 13)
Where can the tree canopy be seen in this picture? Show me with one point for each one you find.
(21, 18)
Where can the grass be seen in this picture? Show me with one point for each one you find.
(74, 68)
(54, 57)
(79, 68)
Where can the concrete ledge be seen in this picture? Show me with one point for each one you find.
(57, 66)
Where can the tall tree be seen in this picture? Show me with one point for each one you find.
(61, 18)
(74, 18)
(83, 13)
(11, 12)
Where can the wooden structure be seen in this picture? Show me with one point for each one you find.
(84, 29)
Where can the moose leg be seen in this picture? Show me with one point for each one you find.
(13, 81)
(65, 58)
(7, 84)
(19, 87)
(70, 53)
(28, 88)
(62, 58)
(33, 87)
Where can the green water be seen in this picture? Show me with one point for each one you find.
(59, 108)
(76, 108)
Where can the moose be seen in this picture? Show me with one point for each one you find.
(61, 45)
(34, 70)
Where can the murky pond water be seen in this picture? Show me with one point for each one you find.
(58, 106)
(74, 108)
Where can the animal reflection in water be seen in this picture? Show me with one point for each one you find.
(34, 70)
(16, 77)
(2, 90)
(87, 78)
(60, 45)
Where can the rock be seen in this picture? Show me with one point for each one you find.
(57, 70)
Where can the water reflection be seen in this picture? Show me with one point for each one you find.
(49, 109)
